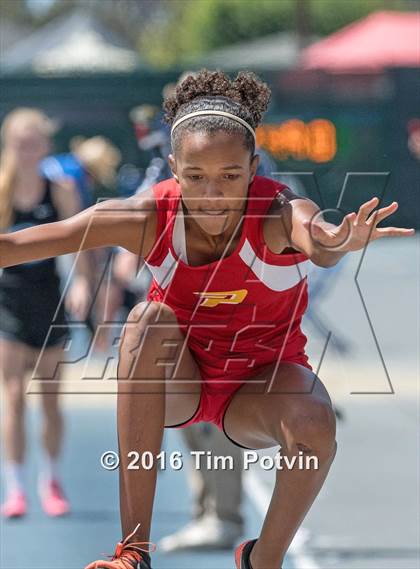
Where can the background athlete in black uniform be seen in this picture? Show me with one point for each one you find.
(30, 305)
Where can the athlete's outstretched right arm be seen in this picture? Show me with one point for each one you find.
(129, 223)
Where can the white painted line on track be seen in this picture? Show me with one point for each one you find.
(261, 497)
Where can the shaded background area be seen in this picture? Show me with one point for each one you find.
(89, 63)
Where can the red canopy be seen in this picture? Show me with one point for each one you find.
(383, 39)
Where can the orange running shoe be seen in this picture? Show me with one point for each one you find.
(242, 554)
(127, 556)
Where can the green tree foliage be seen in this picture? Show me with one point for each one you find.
(185, 29)
(198, 26)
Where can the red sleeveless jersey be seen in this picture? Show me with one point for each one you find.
(239, 313)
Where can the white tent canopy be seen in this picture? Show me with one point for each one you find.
(73, 43)
(85, 52)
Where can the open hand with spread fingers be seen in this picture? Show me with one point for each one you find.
(357, 229)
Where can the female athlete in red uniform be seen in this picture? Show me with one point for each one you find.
(219, 337)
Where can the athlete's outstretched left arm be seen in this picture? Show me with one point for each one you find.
(325, 243)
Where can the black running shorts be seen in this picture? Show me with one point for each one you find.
(28, 311)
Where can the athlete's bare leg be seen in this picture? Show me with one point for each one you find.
(152, 343)
(13, 358)
(48, 374)
(297, 414)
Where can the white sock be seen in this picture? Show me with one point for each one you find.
(49, 468)
(14, 476)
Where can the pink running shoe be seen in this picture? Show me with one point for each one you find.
(53, 500)
(15, 505)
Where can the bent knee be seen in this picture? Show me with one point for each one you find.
(148, 321)
(151, 312)
(312, 428)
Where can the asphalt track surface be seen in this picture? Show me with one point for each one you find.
(367, 514)
(92, 528)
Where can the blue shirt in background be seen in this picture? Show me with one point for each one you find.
(60, 166)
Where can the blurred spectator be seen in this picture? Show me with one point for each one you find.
(217, 495)
(414, 137)
(91, 162)
(92, 159)
(153, 137)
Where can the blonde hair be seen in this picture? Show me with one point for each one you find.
(98, 155)
(8, 165)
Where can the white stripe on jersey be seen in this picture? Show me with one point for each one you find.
(275, 277)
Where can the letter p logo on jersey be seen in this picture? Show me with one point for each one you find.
(212, 299)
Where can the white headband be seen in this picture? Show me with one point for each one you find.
(211, 112)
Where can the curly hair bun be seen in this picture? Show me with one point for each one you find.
(246, 90)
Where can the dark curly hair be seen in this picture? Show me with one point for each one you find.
(246, 96)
